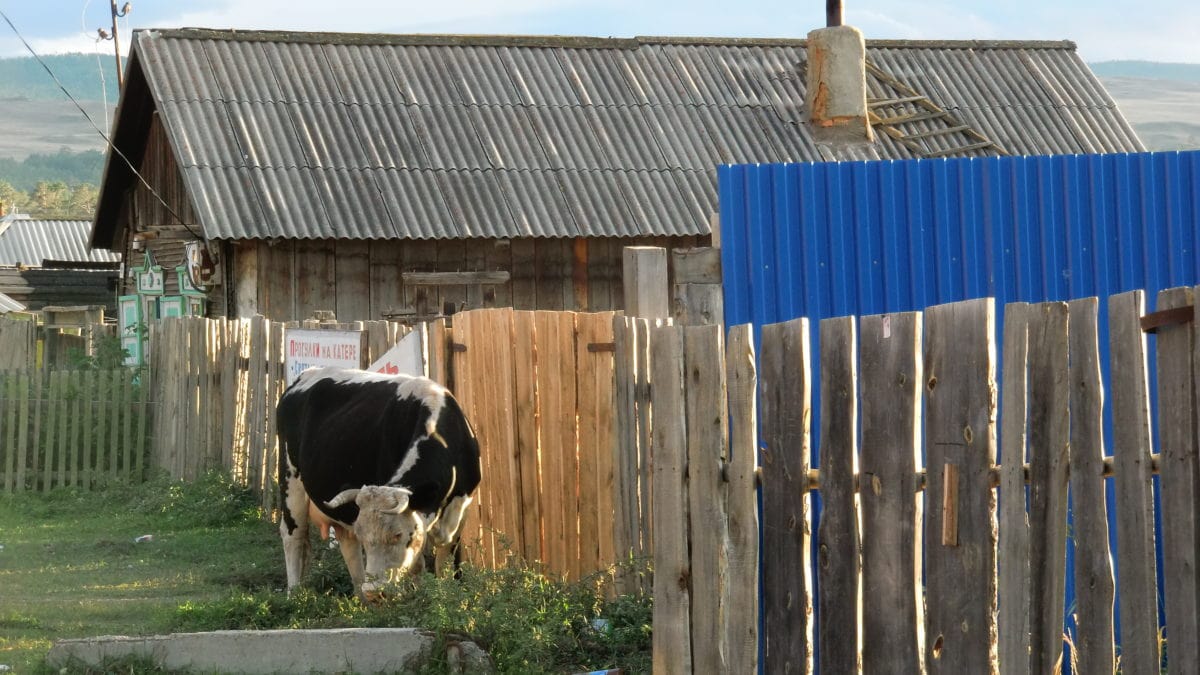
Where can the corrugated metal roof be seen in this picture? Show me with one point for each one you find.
(319, 135)
(24, 241)
(7, 305)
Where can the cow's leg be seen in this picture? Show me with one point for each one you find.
(445, 533)
(353, 555)
(293, 526)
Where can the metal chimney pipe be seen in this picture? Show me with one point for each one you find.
(833, 13)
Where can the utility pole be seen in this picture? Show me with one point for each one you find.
(116, 38)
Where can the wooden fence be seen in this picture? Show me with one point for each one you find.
(215, 384)
(71, 428)
(953, 564)
(538, 389)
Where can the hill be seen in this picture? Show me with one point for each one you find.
(24, 79)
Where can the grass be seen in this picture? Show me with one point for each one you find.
(70, 568)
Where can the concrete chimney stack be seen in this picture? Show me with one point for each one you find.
(837, 85)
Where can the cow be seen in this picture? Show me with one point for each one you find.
(388, 461)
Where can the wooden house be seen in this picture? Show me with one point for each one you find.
(410, 175)
(48, 263)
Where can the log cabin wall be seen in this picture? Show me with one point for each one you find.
(365, 280)
(162, 232)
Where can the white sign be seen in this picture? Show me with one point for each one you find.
(304, 348)
(407, 356)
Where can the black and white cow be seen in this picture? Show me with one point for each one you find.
(389, 461)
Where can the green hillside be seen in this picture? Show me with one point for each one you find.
(1150, 70)
(24, 79)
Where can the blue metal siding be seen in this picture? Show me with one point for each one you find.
(824, 240)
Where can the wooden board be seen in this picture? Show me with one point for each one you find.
(1049, 461)
(645, 460)
(8, 413)
(526, 425)
(625, 507)
(386, 295)
(1133, 482)
(785, 385)
(1094, 585)
(1180, 485)
(277, 272)
(89, 406)
(1013, 560)
(480, 533)
(25, 387)
(671, 643)
(352, 273)
(451, 257)
(740, 641)
(707, 442)
(596, 440)
(580, 301)
(890, 382)
(960, 431)
(524, 280)
(837, 534)
(550, 259)
(556, 404)
(316, 285)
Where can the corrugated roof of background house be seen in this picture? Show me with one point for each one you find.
(29, 242)
(7, 305)
(317, 135)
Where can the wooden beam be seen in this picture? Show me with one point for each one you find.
(454, 278)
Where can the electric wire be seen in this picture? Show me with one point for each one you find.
(111, 146)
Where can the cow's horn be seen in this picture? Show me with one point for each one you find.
(402, 495)
(343, 497)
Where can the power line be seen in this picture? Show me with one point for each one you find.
(108, 143)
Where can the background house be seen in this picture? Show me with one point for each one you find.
(399, 175)
(48, 262)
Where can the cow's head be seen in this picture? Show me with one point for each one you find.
(392, 535)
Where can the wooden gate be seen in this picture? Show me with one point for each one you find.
(538, 388)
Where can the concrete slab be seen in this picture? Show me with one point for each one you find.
(341, 650)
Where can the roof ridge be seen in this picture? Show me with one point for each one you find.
(561, 41)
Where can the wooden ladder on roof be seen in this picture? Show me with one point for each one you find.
(898, 117)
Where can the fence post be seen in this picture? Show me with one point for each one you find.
(740, 642)
(1013, 561)
(672, 649)
(838, 556)
(786, 393)
(890, 386)
(1178, 481)
(645, 282)
(960, 439)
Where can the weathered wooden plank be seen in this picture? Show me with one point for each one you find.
(707, 459)
(386, 296)
(1013, 560)
(524, 282)
(88, 443)
(499, 390)
(891, 376)
(556, 402)
(256, 384)
(143, 402)
(64, 412)
(352, 272)
(53, 398)
(739, 643)
(1133, 481)
(645, 282)
(1180, 485)
(960, 430)
(76, 425)
(645, 461)
(594, 420)
(451, 257)
(526, 439)
(10, 379)
(25, 388)
(277, 382)
(481, 539)
(231, 377)
(671, 644)
(600, 274)
(837, 534)
(625, 508)
(277, 280)
(697, 265)
(1049, 460)
(1094, 585)
(316, 286)
(786, 393)
(116, 398)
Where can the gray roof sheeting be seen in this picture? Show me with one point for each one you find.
(304, 135)
(24, 241)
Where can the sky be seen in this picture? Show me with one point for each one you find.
(1104, 30)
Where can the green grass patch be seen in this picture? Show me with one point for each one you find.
(70, 567)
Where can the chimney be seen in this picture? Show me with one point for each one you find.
(837, 85)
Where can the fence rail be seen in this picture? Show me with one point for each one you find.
(71, 428)
(964, 571)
